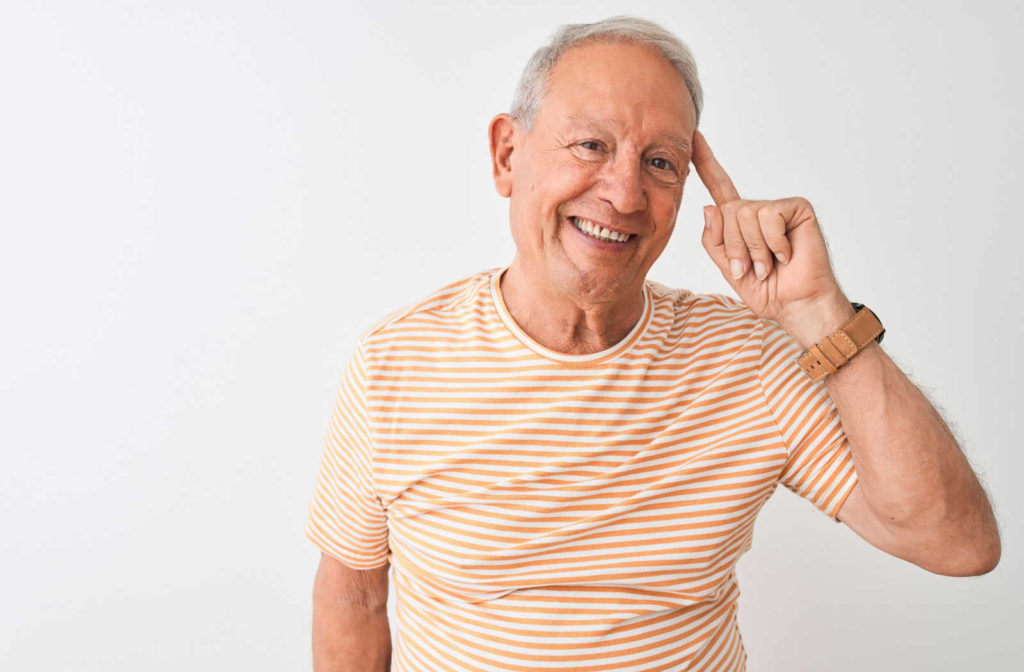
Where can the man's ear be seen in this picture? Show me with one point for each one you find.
(502, 132)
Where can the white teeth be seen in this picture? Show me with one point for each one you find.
(600, 232)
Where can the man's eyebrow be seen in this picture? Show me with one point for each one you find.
(608, 124)
(676, 140)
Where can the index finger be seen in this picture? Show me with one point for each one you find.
(711, 172)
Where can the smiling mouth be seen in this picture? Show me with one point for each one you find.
(599, 232)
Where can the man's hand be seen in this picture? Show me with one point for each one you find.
(772, 253)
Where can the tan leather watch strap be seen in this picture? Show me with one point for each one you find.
(833, 351)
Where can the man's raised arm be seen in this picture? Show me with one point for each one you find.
(916, 497)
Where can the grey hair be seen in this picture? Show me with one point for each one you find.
(534, 79)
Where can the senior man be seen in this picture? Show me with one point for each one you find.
(563, 460)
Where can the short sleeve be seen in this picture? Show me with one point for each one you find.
(346, 518)
(820, 465)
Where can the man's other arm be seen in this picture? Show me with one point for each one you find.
(350, 618)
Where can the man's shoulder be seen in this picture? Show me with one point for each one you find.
(718, 323)
(453, 298)
(688, 304)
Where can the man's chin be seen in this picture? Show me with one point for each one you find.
(597, 282)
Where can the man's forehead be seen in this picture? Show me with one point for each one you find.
(613, 126)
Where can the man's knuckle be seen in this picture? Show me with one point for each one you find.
(748, 209)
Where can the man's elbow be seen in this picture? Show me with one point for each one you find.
(989, 559)
(976, 560)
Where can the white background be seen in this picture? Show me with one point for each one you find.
(203, 203)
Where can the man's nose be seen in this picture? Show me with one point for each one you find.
(622, 185)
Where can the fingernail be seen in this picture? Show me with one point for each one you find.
(736, 266)
(707, 219)
(781, 257)
(759, 270)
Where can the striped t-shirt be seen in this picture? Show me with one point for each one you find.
(546, 511)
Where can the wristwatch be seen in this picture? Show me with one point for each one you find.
(835, 350)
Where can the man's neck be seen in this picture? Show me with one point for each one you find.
(563, 322)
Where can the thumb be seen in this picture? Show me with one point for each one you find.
(713, 238)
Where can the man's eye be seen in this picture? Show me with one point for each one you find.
(592, 145)
(661, 164)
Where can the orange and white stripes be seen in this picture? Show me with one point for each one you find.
(544, 511)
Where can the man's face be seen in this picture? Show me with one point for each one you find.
(610, 146)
